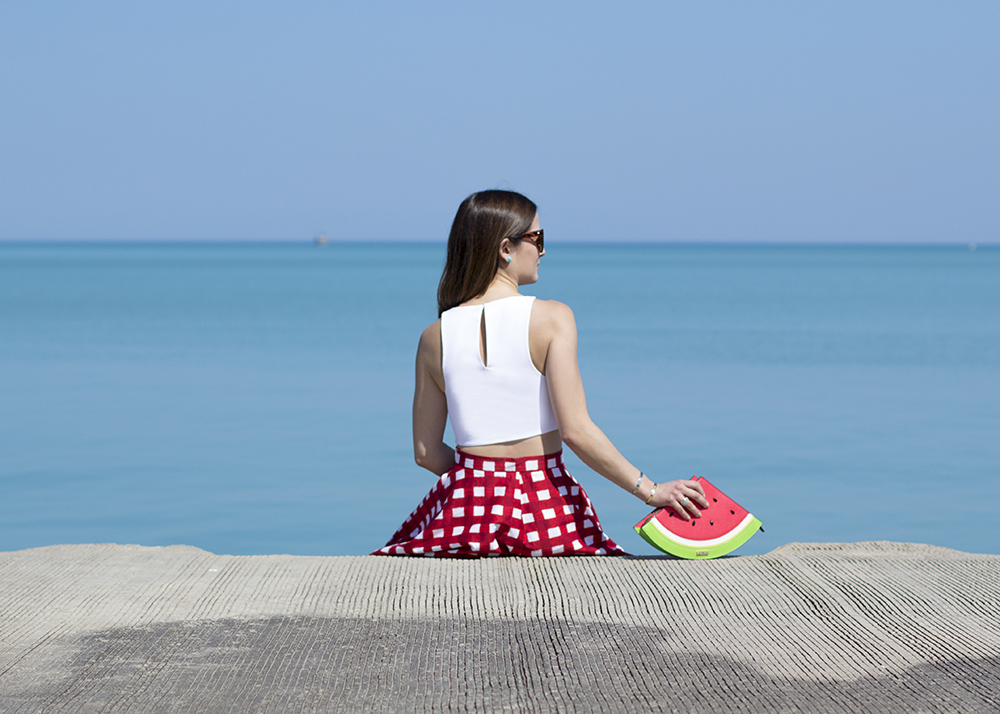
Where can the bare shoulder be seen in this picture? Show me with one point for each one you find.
(432, 333)
(553, 317)
(430, 343)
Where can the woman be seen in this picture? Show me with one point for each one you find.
(503, 366)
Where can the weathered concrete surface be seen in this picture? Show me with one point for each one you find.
(809, 627)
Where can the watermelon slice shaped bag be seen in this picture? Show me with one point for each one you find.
(723, 527)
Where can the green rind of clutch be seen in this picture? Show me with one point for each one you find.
(655, 537)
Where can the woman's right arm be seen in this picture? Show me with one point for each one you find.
(430, 408)
(578, 431)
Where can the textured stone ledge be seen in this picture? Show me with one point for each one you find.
(807, 627)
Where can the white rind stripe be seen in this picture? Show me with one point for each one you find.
(704, 543)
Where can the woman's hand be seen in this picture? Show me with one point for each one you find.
(684, 497)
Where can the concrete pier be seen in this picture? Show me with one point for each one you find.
(879, 627)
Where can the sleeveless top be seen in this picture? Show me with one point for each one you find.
(505, 399)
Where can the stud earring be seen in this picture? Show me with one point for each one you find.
(508, 258)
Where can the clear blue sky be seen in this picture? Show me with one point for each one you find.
(840, 121)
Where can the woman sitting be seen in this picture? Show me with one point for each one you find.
(503, 367)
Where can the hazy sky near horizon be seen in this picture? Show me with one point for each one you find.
(723, 121)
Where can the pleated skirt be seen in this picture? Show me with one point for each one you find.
(529, 506)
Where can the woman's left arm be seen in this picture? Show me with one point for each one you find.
(430, 407)
(562, 375)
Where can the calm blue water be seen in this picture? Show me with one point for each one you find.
(256, 398)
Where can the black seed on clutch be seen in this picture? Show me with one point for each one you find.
(733, 512)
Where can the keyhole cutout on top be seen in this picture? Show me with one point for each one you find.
(482, 337)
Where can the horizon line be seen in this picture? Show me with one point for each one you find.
(331, 242)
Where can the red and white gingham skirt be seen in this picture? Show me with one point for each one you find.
(487, 506)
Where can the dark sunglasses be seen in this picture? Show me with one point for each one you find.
(536, 238)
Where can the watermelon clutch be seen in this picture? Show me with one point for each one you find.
(723, 527)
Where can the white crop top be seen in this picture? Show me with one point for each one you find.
(507, 398)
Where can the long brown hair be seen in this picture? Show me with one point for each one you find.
(483, 220)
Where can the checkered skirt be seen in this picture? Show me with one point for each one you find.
(487, 506)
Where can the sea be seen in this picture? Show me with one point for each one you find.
(254, 398)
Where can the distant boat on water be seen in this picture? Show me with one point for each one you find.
(322, 239)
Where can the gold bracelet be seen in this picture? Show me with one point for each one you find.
(651, 494)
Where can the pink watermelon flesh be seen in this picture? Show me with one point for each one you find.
(723, 527)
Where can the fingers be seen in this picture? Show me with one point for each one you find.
(684, 497)
(699, 492)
